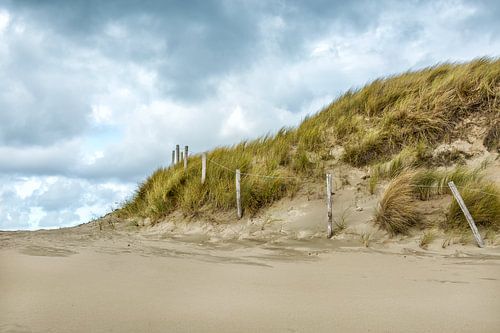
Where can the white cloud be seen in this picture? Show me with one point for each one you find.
(4, 20)
(237, 124)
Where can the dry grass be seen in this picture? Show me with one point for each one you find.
(396, 212)
(492, 137)
(428, 183)
(390, 117)
(483, 202)
(427, 238)
(366, 239)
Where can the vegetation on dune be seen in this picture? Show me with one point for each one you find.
(401, 115)
(397, 209)
(483, 203)
(396, 212)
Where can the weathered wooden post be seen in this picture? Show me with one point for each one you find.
(466, 212)
(186, 148)
(238, 193)
(203, 167)
(173, 157)
(182, 156)
(329, 205)
(177, 154)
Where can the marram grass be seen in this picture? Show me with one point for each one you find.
(382, 119)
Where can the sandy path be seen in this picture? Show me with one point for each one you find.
(113, 287)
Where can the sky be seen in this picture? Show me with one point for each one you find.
(94, 95)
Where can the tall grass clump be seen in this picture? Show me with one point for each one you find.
(431, 182)
(483, 203)
(396, 212)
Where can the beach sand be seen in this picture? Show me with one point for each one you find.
(83, 280)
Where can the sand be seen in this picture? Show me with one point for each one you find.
(83, 280)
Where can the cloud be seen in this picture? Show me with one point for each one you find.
(55, 201)
(95, 93)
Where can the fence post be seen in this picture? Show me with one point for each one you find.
(182, 156)
(466, 212)
(238, 193)
(186, 148)
(173, 157)
(203, 167)
(329, 205)
(177, 154)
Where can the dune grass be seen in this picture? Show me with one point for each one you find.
(390, 116)
(483, 202)
(396, 212)
(431, 182)
(427, 238)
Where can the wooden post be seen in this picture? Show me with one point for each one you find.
(468, 217)
(182, 156)
(186, 148)
(173, 157)
(329, 205)
(177, 154)
(203, 167)
(238, 194)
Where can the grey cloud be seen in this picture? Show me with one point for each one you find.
(56, 201)
(61, 195)
(39, 160)
(42, 99)
(192, 44)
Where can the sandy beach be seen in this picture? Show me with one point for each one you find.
(78, 280)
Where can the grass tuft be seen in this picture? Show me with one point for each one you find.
(427, 238)
(483, 203)
(396, 212)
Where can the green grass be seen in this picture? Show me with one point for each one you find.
(396, 212)
(390, 117)
(428, 183)
(483, 203)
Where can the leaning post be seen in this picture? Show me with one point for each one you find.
(329, 205)
(466, 212)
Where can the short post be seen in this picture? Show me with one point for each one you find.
(182, 156)
(238, 193)
(329, 205)
(177, 154)
(186, 148)
(173, 157)
(203, 167)
(466, 212)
